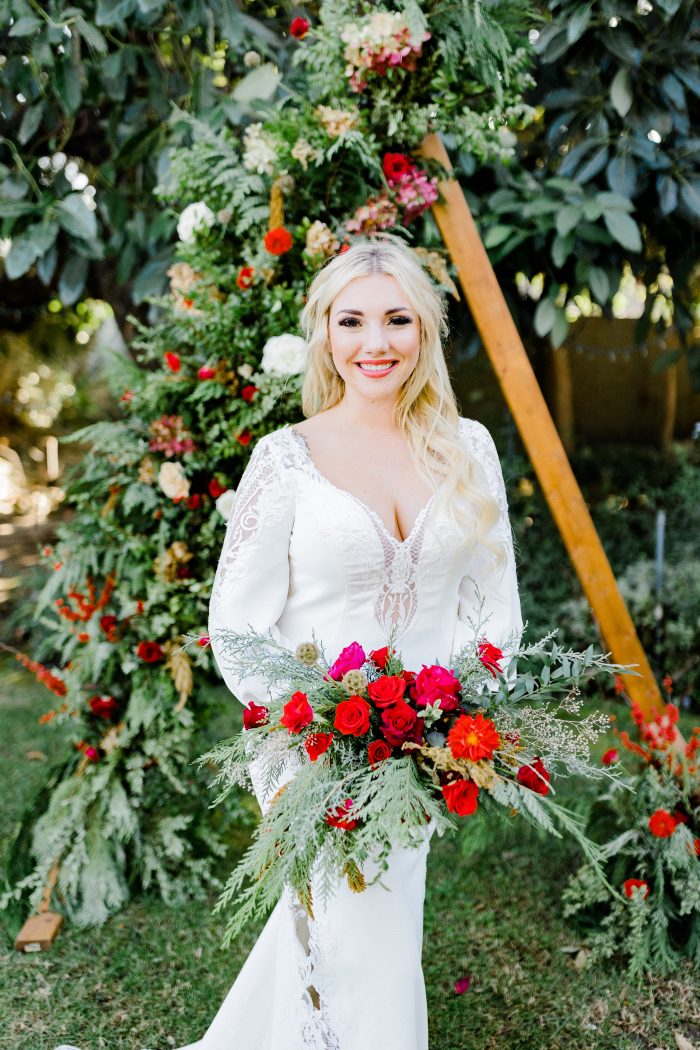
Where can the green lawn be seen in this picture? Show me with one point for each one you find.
(154, 976)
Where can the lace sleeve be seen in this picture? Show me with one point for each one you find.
(252, 578)
(498, 586)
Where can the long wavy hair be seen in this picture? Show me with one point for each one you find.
(426, 409)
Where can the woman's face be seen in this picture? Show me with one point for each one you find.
(374, 337)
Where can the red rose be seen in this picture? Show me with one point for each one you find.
(108, 623)
(92, 753)
(387, 690)
(203, 642)
(460, 797)
(350, 659)
(378, 751)
(535, 777)
(352, 716)
(395, 166)
(662, 824)
(172, 361)
(255, 715)
(297, 713)
(278, 241)
(398, 723)
(244, 437)
(409, 677)
(194, 501)
(149, 651)
(489, 656)
(629, 886)
(610, 757)
(473, 738)
(215, 489)
(337, 818)
(380, 657)
(103, 706)
(245, 277)
(317, 744)
(298, 28)
(436, 685)
(248, 392)
(206, 372)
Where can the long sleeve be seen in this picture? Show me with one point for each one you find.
(502, 622)
(252, 577)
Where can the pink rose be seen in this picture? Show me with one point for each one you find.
(351, 659)
(436, 685)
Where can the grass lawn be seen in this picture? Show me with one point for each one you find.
(154, 976)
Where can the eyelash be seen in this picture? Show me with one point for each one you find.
(353, 322)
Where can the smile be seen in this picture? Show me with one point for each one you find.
(378, 368)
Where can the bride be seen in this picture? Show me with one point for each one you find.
(383, 509)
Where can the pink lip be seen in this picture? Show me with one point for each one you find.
(384, 371)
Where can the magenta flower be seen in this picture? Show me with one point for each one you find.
(352, 657)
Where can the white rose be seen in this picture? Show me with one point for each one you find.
(173, 480)
(225, 503)
(284, 355)
(195, 217)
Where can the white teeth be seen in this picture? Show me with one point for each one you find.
(375, 368)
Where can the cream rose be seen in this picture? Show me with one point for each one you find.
(173, 480)
(197, 216)
(225, 503)
(284, 355)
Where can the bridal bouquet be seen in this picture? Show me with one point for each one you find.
(368, 753)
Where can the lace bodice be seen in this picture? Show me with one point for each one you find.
(301, 554)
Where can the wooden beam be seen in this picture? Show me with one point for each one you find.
(539, 434)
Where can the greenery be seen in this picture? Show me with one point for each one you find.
(155, 973)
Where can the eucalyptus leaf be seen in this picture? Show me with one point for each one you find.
(21, 257)
(568, 217)
(76, 218)
(560, 329)
(621, 174)
(578, 23)
(46, 265)
(31, 122)
(72, 279)
(624, 229)
(667, 188)
(621, 92)
(599, 284)
(593, 166)
(545, 316)
(690, 196)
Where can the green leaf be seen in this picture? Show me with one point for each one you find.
(560, 329)
(667, 188)
(621, 174)
(599, 284)
(113, 12)
(624, 229)
(25, 26)
(621, 92)
(568, 217)
(561, 248)
(691, 79)
(72, 280)
(690, 195)
(46, 265)
(20, 258)
(76, 218)
(42, 234)
(593, 165)
(31, 122)
(91, 35)
(496, 235)
(13, 209)
(260, 83)
(578, 23)
(614, 201)
(67, 74)
(673, 90)
(545, 316)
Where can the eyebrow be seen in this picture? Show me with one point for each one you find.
(359, 313)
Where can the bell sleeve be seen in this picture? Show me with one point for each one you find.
(252, 578)
(494, 585)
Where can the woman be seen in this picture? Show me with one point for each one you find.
(383, 509)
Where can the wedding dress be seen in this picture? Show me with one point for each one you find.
(303, 555)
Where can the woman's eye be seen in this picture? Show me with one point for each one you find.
(348, 322)
(401, 320)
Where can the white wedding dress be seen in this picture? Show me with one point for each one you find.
(303, 555)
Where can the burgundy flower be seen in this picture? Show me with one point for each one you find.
(535, 777)
(150, 652)
(399, 723)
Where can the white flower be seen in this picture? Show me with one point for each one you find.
(173, 480)
(245, 370)
(251, 59)
(225, 503)
(284, 355)
(259, 153)
(320, 240)
(197, 216)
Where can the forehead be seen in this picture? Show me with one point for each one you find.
(371, 292)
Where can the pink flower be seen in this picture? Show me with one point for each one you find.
(436, 685)
(462, 984)
(206, 372)
(351, 658)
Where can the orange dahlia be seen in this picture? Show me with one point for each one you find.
(473, 738)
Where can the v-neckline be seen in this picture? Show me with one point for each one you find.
(351, 495)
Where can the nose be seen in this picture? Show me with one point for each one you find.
(375, 337)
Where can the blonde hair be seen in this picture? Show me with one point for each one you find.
(426, 409)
